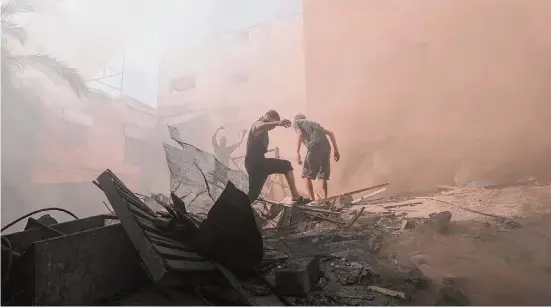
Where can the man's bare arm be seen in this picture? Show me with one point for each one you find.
(299, 144)
(299, 140)
(260, 127)
(233, 147)
(333, 139)
(214, 137)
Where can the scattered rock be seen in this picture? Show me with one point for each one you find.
(406, 225)
(440, 222)
(348, 272)
(356, 292)
(297, 276)
(343, 201)
(385, 222)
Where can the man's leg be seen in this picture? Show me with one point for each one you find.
(292, 184)
(325, 170)
(256, 181)
(309, 187)
(324, 187)
(279, 166)
(310, 170)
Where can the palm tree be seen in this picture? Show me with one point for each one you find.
(21, 110)
(12, 62)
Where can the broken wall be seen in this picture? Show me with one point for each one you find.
(418, 88)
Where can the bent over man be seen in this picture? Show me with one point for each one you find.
(258, 166)
(317, 163)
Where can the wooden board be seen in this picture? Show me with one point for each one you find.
(354, 192)
(152, 260)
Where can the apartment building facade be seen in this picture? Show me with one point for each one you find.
(232, 79)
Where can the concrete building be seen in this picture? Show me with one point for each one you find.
(80, 139)
(231, 79)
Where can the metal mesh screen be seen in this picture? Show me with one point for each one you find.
(197, 176)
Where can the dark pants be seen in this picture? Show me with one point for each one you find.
(317, 164)
(260, 169)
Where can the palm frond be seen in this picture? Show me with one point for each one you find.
(49, 65)
(7, 75)
(13, 7)
(11, 29)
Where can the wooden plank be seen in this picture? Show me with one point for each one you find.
(170, 244)
(368, 195)
(141, 213)
(147, 225)
(158, 235)
(410, 203)
(129, 197)
(388, 292)
(153, 262)
(355, 192)
(353, 220)
(170, 253)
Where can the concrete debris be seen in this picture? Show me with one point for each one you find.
(297, 276)
(440, 222)
(388, 292)
(293, 255)
(348, 272)
(405, 204)
(351, 222)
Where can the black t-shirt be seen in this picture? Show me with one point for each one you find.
(257, 145)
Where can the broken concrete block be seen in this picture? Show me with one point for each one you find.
(385, 222)
(297, 276)
(348, 272)
(405, 225)
(440, 222)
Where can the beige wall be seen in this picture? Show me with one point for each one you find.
(447, 80)
(109, 122)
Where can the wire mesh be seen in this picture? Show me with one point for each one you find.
(197, 176)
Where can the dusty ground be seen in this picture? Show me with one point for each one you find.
(491, 261)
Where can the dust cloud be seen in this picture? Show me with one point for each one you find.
(419, 91)
(490, 267)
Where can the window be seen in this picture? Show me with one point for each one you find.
(184, 83)
(239, 77)
(134, 150)
(73, 133)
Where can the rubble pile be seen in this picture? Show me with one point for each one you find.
(207, 245)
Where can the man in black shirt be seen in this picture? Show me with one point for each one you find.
(260, 167)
